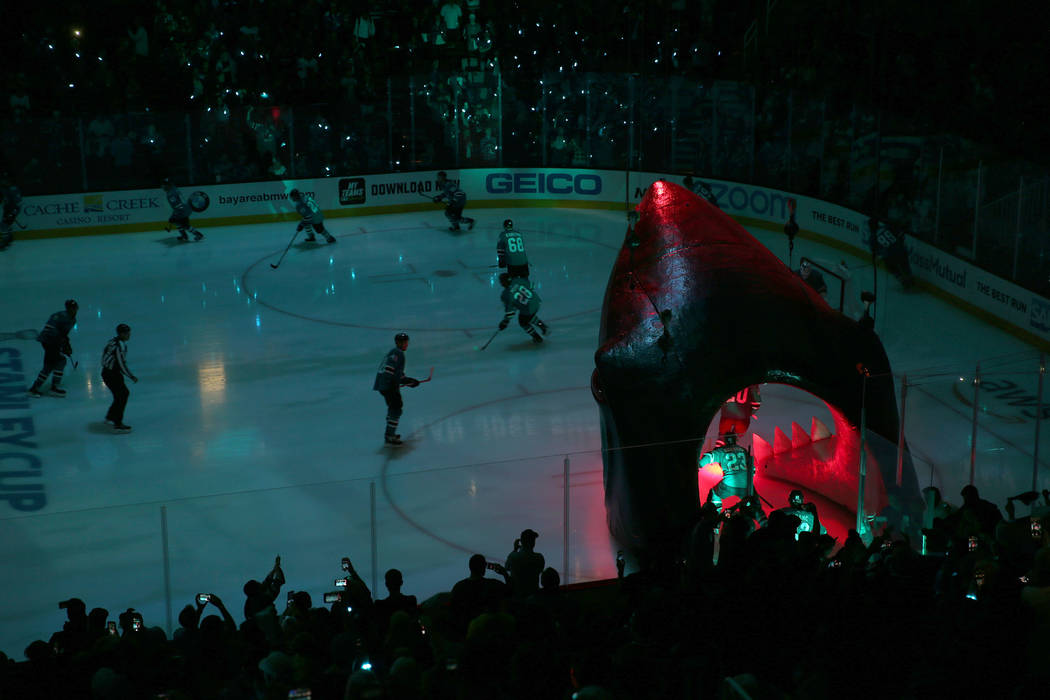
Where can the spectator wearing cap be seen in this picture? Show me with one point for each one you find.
(74, 636)
(525, 565)
(114, 369)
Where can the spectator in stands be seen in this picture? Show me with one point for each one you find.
(74, 636)
(100, 132)
(866, 320)
(472, 33)
(551, 599)
(140, 41)
(451, 12)
(259, 598)
(1035, 597)
(395, 600)
(19, 100)
(525, 565)
(986, 512)
(476, 594)
(813, 278)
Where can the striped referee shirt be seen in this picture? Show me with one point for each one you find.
(115, 356)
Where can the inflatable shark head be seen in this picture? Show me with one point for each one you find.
(695, 310)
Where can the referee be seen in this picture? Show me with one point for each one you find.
(114, 369)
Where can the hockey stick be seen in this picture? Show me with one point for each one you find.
(429, 376)
(285, 250)
(20, 224)
(490, 340)
(428, 197)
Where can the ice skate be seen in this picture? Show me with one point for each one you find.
(183, 236)
(121, 428)
(311, 238)
(542, 326)
(58, 391)
(35, 392)
(329, 237)
(454, 227)
(470, 224)
(392, 439)
(197, 235)
(536, 337)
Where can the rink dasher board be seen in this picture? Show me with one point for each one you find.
(992, 299)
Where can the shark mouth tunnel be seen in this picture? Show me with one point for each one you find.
(695, 310)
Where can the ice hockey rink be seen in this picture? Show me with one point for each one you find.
(257, 433)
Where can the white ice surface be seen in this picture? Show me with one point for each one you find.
(257, 433)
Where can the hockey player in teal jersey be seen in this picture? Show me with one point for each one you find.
(180, 213)
(738, 471)
(519, 297)
(313, 219)
(510, 251)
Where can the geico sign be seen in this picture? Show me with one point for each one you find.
(543, 183)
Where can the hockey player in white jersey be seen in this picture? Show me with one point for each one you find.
(180, 213)
(313, 219)
(455, 199)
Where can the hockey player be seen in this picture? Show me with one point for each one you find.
(737, 471)
(55, 339)
(519, 297)
(510, 252)
(180, 213)
(805, 512)
(456, 199)
(701, 188)
(738, 411)
(313, 219)
(12, 203)
(389, 380)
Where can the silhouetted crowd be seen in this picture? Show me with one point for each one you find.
(784, 612)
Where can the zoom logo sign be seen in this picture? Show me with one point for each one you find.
(544, 183)
(352, 191)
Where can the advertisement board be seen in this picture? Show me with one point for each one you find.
(359, 195)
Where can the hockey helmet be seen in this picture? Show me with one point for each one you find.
(72, 306)
(166, 184)
(400, 338)
(123, 328)
(729, 438)
(795, 498)
(508, 224)
(442, 175)
(294, 195)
